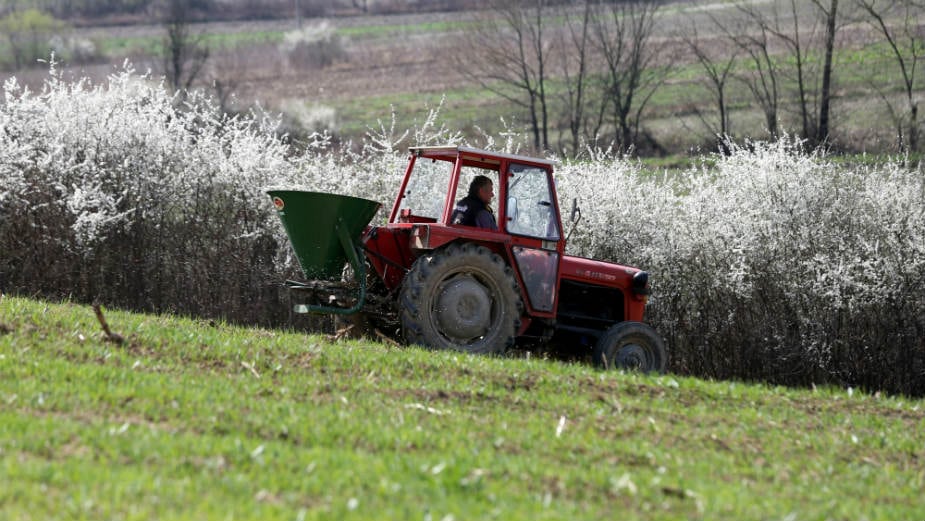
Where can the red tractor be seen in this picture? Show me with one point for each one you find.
(478, 290)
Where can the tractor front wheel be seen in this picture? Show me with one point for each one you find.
(631, 345)
(463, 297)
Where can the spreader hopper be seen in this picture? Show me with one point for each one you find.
(325, 231)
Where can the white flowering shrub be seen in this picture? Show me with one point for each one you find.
(74, 49)
(314, 46)
(313, 118)
(113, 192)
(769, 263)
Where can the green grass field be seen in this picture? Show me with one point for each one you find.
(189, 419)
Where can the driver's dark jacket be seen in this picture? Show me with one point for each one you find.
(471, 211)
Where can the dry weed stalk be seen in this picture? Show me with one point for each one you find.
(4, 329)
(386, 339)
(108, 335)
(251, 368)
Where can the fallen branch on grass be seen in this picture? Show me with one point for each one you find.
(108, 335)
(251, 368)
(382, 336)
(340, 334)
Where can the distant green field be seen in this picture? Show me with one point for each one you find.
(116, 46)
(193, 420)
(121, 46)
(674, 117)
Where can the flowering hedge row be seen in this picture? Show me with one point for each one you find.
(769, 263)
(122, 193)
(772, 263)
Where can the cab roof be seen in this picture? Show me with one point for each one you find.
(475, 156)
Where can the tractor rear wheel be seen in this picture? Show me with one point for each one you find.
(631, 345)
(463, 297)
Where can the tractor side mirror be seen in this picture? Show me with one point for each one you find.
(575, 217)
(511, 209)
(576, 211)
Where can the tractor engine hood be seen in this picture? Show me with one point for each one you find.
(605, 274)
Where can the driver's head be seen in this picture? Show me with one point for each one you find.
(482, 187)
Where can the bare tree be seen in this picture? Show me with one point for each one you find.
(801, 42)
(771, 68)
(184, 54)
(574, 47)
(829, 10)
(782, 44)
(623, 33)
(762, 79)
(799, 47)
(510, 51)
(718, 67)
(907, 45)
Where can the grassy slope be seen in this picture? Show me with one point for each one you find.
(189, 420)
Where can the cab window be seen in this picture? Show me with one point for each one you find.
(425, 195)
(530, 208)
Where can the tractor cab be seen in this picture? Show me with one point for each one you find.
(525, 208)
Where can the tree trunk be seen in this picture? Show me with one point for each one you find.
(913, 125)
(534, 122)
(822, 133)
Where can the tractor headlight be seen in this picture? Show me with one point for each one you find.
(641, 285)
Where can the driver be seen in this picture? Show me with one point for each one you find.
(473, 210)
